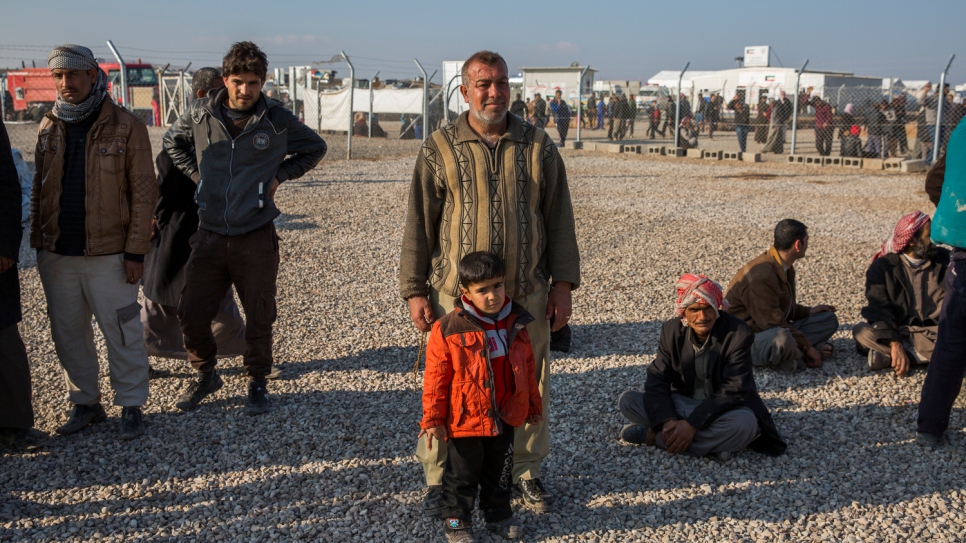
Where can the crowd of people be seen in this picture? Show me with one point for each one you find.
(487, 268)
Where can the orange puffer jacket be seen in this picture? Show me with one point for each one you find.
(458, 389)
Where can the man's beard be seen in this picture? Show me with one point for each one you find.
(923, 249)
(489, 119)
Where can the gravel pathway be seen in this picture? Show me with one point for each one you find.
(333, 459)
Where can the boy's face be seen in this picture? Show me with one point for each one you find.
(487, 296)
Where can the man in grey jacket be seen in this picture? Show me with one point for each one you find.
(234, 146)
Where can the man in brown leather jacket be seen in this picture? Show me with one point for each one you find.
(91, 206)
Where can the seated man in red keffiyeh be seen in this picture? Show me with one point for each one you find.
(700, 396)
(905, 286)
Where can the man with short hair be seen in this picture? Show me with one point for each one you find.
(540, 116)
(561, 116)
(823, 126)
(631, 114)
(234, 146)
(467, 195)
(905, 287)
(788, 335)
(176, 220)
(90, 212)
(700, 396)
(519, 107)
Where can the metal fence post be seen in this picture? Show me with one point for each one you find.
(425, 98)
(448, 95)
(937, 135)
(352, 92)
(798, 81)
(677, 110)
(371, 81)
(123, 71)
(580, 92)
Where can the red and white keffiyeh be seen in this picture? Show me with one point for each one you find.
(906, 229)
(698, 289)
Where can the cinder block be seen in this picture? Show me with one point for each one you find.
(872, 163)
(713, 155)
(575, 145)
(695, 153)
(851, 162)
(796, 159)
(725, 155)
(814, 160)
(610, 147)
(832, 161)
(636, 149)
(892, 164)
(676, 152)
(913, 166)
(655, 150)
(751, 157)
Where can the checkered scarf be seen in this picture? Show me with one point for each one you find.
(77, 57)
(698, 289)
(905, 230)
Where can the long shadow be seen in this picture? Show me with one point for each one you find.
(293, 222)
(608, 339)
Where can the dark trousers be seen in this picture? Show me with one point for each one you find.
(621, 130)
(652, 129)
(249, 262)
(823, 141)
(16, 410)
(944, 376)
(630, 126)
(610, 128)
(562, 129)
(478, 464)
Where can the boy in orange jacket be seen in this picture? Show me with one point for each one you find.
(480, 384)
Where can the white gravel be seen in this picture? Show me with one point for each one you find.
(333, 460)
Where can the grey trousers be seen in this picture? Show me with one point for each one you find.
(16, 411)
(163, 337)
(777, 348)
(919, 342)
(531, 443)
(78, 287)
(731, 432)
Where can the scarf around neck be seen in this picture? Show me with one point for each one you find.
(75, 113)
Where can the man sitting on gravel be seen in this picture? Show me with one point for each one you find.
(905, 287)
(234, 146)
(788, 335)
(468, 195)
(700, 396)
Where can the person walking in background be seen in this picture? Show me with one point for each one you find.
(875, 127)
(561, 116)
(701, 113)
(631, 114)
(653, 119)
(670, 114)
(601, 112)
(713, 114)
(742, 120)
(850, 143)
(899, 104)
(823, 126)
(540, 116)
(781, 112)
(927, 133)
(762, 120)
(591, 113)
(611, 116)
(621, 113)
(519, 107)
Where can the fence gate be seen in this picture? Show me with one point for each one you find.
(174, 95)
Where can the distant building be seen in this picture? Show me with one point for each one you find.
(546, 81)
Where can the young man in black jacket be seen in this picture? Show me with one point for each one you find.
(700, 396)
(238, 147)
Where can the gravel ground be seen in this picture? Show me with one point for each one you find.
(333, 459)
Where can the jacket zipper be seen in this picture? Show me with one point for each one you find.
(231, 158)
(489, 371)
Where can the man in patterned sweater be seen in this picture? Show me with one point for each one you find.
(491, 182)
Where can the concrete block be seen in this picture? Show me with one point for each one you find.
(796, 159)
(913, 166)
(751, 157)
(575, 145)
(832, 161)
(655, 150)
(814, 160)
(892, 164)
(872, 163)
(713, 155)
(851, 162)
(676, 152)
(610, 147)
(636, 149)
(726, 155)
(695, 153)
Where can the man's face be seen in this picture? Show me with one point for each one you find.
(74, 86)
(557, 96)
(701, 318)
(488, 296)
(487, 91)
(243, 90)
(921, 245)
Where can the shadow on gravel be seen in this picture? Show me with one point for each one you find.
(608, 339)
(294, 222)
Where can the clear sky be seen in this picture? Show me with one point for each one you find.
(622, 40)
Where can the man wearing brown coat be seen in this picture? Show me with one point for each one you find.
(788, 335)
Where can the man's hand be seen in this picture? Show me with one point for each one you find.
(272, 188)
(6, 264)
(154, 230)
(133, 271)
(439, 432)
(813, 358)
(421, 312)
(677, 435)
(534, 419)
(900, 362)
(821, 308)
(559, 305)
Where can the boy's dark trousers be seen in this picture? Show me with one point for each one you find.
(248, 261)
(483, 464)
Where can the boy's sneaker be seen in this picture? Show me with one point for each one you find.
(878, 361)
(509, 528)
(132, 423)
(207, 384)
(82, 416)
(257, 398)
(432, 501)
(534, 495)
(458, 531)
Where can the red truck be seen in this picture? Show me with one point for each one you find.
(33, 92)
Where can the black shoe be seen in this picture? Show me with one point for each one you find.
(257, 398)
(432, 501)
(207, 383)
(158, 374)
(637, 434)
(82, 416)
(931, 442)
(22, 440)
(509, 528)
(132, 423)
(535, 496)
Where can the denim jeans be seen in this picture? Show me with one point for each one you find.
(742, 132)
(944, 378)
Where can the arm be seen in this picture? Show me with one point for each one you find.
(879, 311)
(437, 380)
(934, 180)
(422, 220)
(179, 142)
(657, 387)
(762, 305)
(142, 189)
(563, 257)
(305, 147)
(736, 379)
(11, 232)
